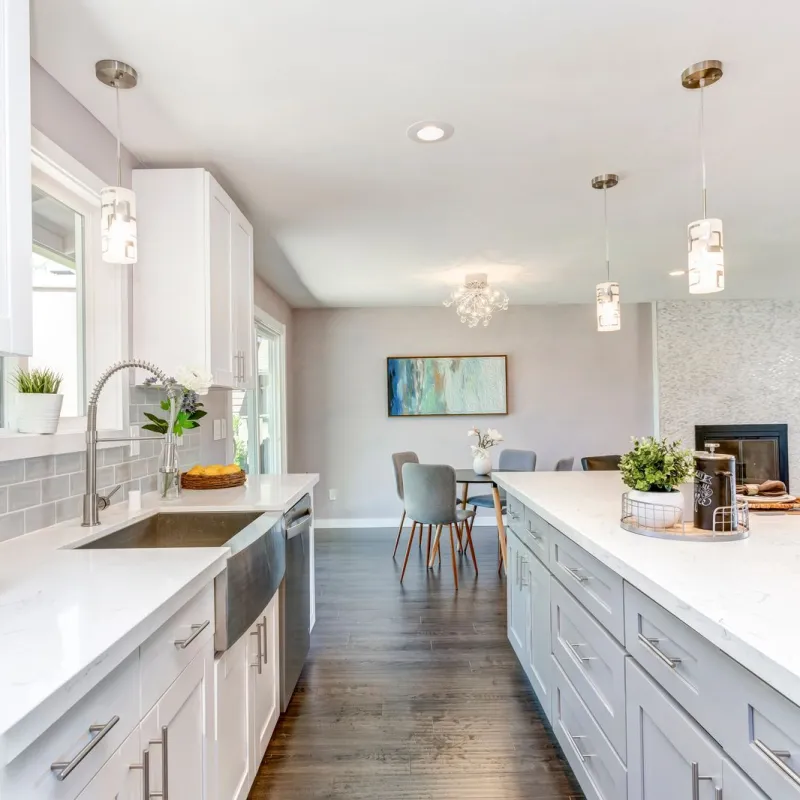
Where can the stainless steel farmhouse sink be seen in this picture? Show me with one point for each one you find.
(253, 572)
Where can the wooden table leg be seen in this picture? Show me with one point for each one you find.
(464, 496)
(501, 531)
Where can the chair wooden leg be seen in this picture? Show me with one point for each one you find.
(435, 546)
(399, 534)
(453, 556)
(471, 548)
(428, 554)
(421, 529)
(408, 551)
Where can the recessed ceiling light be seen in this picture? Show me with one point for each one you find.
(427, 132)
(677, 272)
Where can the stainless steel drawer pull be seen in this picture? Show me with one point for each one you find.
(650, 644)
(182, 644)
(574, 650)
(573, 740)
(776, 757)
(576, 573)
(145, 768)
(696, 778)
(264, 623)
(63, 769)
(260, 652)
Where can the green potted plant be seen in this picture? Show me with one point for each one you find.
(38, 401)
(653, 470)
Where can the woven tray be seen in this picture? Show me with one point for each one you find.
(756, 507)
(212, 481)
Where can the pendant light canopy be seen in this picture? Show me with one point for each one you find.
(607, 293)
(117, 204)
(706, 255)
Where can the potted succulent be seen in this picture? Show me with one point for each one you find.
(653, 469)
(482, 461)
(38, 401)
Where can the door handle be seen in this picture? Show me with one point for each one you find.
(776, 758)
(259, 653)
(575, 573)
(696, 778)
(650, 644)
(147, 794)
(264, 623)
(573, 649)
(63, 769)
(182, 644)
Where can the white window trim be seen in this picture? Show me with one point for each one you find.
(58, 165)
(278, 328)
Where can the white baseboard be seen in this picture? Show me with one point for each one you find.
(387, 522)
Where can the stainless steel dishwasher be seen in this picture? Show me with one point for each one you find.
(295, 596)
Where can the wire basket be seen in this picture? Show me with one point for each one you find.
(666, 522)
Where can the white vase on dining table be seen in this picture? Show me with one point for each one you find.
(482, 463)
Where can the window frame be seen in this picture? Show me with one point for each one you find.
(105, 323)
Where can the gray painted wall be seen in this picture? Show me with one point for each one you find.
(572, 391)
(729, 363)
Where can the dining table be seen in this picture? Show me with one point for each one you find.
(468, 477)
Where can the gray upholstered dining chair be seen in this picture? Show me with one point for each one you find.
(565, 464)
(604, 463)
(398, 459)
(509, 461)
(430, 499)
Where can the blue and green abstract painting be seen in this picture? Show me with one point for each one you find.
(457, 385)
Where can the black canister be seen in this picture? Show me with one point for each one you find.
(714, 488)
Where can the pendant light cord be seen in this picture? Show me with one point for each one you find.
(703, 146)
(119, 147)
(605, 219)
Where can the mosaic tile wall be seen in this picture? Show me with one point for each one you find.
(730, 362)
(39, 492)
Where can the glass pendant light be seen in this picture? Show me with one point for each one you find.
(706, 255)
(117, 204)
(607, 293)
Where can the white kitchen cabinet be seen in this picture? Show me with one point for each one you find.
(193, 283)
(232, 730)
(180, 728)
(121, 776)
(517, 612)
(16, 281)
(536, 584)
(265, 686)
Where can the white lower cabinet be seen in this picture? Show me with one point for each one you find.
(179, 729)
(265, 688)
(536, 582)
(121, 777)
(516, 607)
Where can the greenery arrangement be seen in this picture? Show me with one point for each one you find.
(37, 381)
(189, 414)
(656, 465)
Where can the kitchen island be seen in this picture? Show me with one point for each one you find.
(667, 668)
(74, 622)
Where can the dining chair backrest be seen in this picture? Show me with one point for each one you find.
(517, 461)
(430, 493)
(565, 464)
(606, 463)
(398, 459)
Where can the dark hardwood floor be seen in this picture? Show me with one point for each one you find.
(412, 692)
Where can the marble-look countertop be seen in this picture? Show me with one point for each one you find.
(68, 617)
(742, 596)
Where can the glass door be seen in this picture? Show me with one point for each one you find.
(258, 414)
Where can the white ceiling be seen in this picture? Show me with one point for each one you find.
(301, 106)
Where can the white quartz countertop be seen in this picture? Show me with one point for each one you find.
(742, 596)
(69, 617)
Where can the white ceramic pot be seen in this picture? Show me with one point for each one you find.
(482, 464)
(657, 510)
(38, 413)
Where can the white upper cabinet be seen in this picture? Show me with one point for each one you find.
(16, 329)
(193, 283)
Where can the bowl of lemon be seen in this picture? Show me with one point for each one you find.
(214, 476)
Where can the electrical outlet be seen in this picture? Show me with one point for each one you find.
(134, 447)
(333, 494)
(217, 429)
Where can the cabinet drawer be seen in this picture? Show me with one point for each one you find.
(593, 661)
(116, 697)
(599, 771)
(515, 513)
(538, 532)
(596, 586)
(682, 661)
(162, 659)
(760, 730)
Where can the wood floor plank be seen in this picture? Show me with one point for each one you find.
(410, 692)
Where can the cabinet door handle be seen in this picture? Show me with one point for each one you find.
(264, 623)
(523, 563)
(145, 767)
(63, 769)
(573, 740)
(576, 573)
(259, 654)
(650, 644)
(696, 778)
(182, 644)
(573, 648)
(776, 758)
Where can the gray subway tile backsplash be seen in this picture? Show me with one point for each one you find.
(38, 492)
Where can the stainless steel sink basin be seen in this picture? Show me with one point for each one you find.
(254, 570)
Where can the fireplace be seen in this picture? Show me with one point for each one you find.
(761, 451)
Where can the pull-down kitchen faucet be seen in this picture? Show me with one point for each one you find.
(92, 503)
